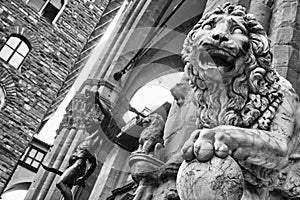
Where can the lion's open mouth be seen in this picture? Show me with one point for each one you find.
(219, 58)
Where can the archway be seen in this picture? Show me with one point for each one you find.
(16, 191)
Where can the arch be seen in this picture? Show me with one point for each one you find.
(18, 191)
(8, 86)
(18, 186)
(142, 75)
(157, 61)
(146, 73)
(25, 33)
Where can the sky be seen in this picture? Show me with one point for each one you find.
(154, 94)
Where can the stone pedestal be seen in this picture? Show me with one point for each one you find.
(144, 166)
(144, 170)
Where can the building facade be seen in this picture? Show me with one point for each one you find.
(144, 45)
(26, 169)
(41, 42)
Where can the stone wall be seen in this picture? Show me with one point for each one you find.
(285, 36)
(34, 86)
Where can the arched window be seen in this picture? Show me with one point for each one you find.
(15, 50)
(50, 9)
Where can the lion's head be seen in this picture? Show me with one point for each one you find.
(229, 48)
(154, 120)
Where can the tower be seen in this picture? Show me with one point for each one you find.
(40, 45)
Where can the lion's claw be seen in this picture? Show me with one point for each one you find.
(205, 143)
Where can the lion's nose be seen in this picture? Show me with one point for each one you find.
(220, 37)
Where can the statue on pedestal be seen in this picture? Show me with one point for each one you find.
(152, 136)
(247, 117)
(246, 142)
(145, 161)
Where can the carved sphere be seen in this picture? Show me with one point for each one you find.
(217, 179)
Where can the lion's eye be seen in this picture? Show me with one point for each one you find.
(207, 27)
(237, 31)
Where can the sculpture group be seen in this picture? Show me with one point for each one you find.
(248, 116)
(246, 142)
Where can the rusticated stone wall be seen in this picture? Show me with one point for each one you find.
(285, 39)
(31, 90)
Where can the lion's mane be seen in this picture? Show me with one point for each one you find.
(253, 92)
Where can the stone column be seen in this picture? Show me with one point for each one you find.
(56, 165)
(136, 24)
(71, 132)
(79, 135)
(115, 166)
(117, 38)
(285, 37)
(37, 188)
(262, 9)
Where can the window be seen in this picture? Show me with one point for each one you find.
(50, 9)
(34, 157)
(15, 50)
(36, 4)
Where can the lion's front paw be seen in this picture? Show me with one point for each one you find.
(205, 143)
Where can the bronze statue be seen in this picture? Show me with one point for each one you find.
(76, 173)
(96, 118)
(245, 109)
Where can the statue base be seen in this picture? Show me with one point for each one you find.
(144, 166)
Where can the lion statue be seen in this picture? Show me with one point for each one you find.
(244, 108)
(152, 134)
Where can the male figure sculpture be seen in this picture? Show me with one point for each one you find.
(245, 109)
(76, 173)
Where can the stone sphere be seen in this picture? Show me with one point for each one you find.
(217, 179)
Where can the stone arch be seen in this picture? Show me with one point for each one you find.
(25, 32)
(146, 73)
(142, 75)
(14, 190)
(158, 60)
(8, 85)
(18, 186)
